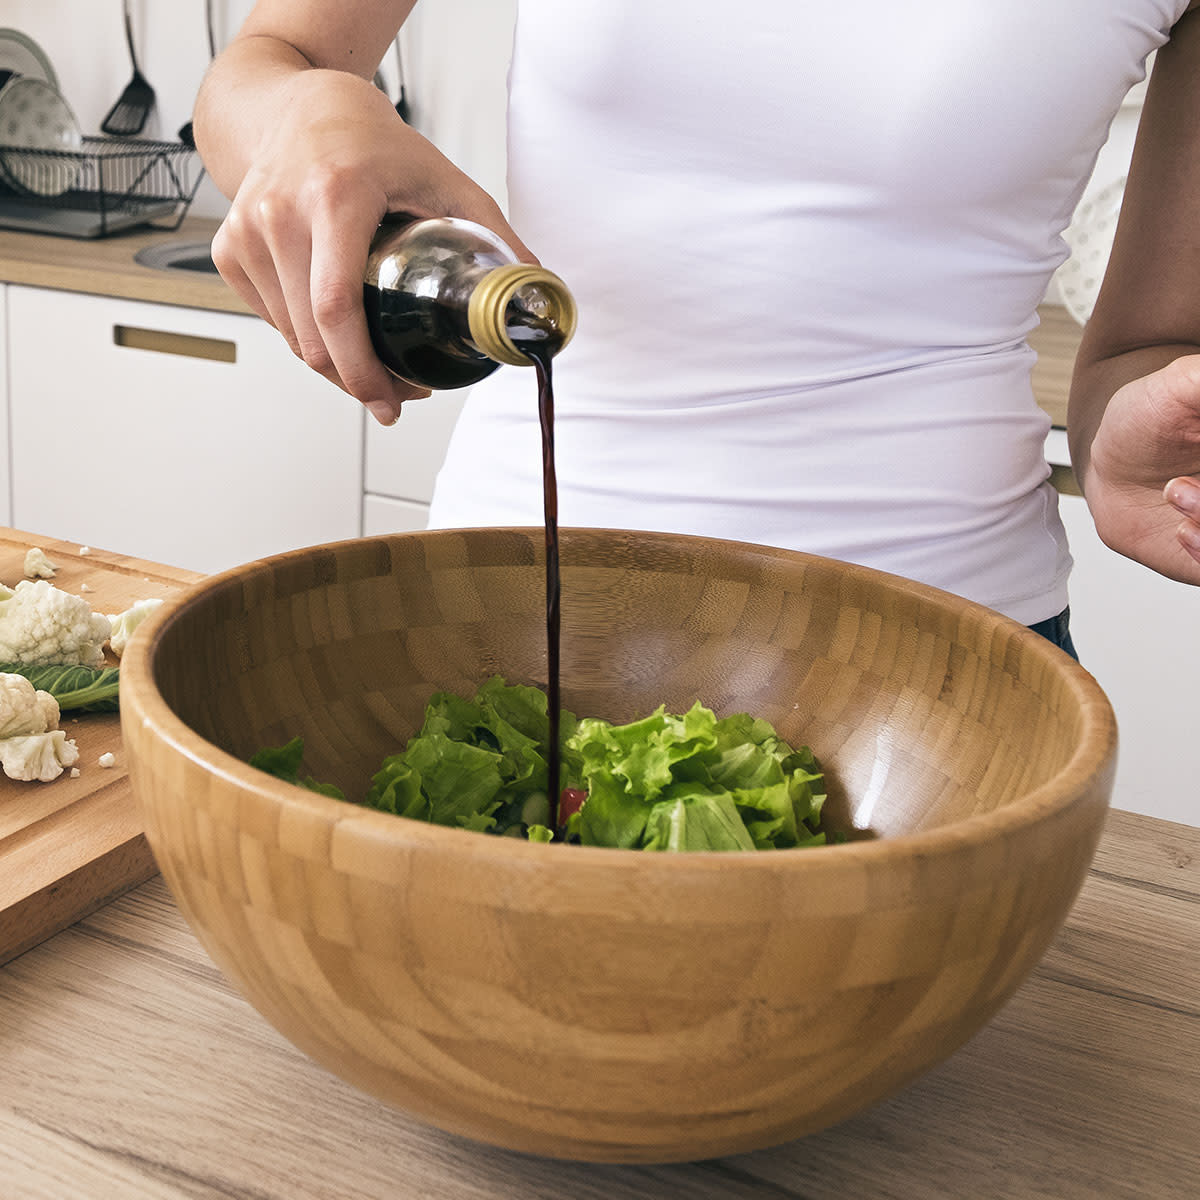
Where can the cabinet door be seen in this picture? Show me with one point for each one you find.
(1136, 632)
(182, 436)
(403, 459)
(382, 514)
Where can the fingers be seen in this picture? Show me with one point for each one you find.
(1183, 494)
(248, 262)
(341, 343)
(313, 303)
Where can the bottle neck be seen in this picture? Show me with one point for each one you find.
(520, 305)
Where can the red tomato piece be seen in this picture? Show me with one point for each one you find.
(570, 801)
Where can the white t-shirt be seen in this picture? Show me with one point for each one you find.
(807, 242)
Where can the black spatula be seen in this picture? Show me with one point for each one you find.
(402, 105)
(186, 135)
(128, 115)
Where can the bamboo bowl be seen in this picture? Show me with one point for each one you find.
(610, 1005)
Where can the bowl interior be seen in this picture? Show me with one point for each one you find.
(924, 709)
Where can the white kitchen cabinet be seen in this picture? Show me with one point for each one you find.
(382, 514)
(402, 461)
(180, 435)
(1138, 633)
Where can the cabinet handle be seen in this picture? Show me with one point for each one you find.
(165, 342)
(1063, 480)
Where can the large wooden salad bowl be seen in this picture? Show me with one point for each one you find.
(600, 1004)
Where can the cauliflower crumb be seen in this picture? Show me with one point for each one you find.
(74, 772)
(85, 549)
(108, 759)
(37, 565)
(85, 587)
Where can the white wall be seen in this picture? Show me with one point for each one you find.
(456, 63)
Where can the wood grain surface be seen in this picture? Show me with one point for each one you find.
(107, 267)
(73, 844)
(132, 1070)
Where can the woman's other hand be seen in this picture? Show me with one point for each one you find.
(1143, 484)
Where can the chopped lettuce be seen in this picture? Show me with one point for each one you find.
(694, 781)
(667, 782)
(284, 762)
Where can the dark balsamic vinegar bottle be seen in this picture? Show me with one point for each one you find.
(447, 302)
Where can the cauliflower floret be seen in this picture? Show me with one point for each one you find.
(42, 624)
(24, 708)
(123, 624)
(37, 756)
(37, 565)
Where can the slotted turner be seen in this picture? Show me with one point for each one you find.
(186, 135)
(128, 115)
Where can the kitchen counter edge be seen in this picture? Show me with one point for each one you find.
(108, 267)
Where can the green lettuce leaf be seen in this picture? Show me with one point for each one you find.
(480, 763)
(694, 819)
(286, 762)
(667, 782)
(759, 789)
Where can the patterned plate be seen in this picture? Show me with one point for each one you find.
(1090, 237)
(35, 117)
(21, 55)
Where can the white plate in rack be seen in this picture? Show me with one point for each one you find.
(1090, 237)
(34, 117)
(21, 55)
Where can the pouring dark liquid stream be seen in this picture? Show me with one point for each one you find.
(438, 321)
(542, 354)
(541, 363)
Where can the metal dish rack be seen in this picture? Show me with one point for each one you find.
(107, 186)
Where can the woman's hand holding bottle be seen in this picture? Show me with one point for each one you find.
(335, 160)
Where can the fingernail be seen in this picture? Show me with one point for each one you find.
(383, 412)
(1183, 494)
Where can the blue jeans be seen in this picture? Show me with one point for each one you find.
(1058, 630)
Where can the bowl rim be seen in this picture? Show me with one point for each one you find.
(1095, 754)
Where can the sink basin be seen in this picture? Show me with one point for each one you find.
(178, 256)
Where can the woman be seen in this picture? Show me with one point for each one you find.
(807, 244)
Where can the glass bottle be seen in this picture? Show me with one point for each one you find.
(447, 302)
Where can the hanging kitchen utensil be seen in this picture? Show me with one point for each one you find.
(128, 115)
(402, 106)
(185, 133)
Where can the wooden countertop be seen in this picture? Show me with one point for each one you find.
(132, 1069)
(1056, 341)
(106, 267)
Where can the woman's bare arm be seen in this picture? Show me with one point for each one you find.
(1134, 412)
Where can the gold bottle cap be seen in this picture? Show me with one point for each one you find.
(486, 314)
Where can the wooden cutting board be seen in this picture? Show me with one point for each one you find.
(69, 846)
